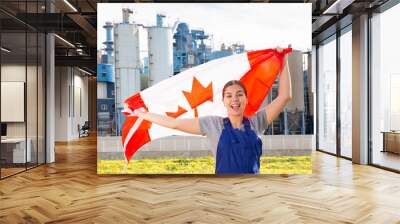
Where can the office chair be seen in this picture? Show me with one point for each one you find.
(84, 130)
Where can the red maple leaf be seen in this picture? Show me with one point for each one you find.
(178, 113)
(199, 94)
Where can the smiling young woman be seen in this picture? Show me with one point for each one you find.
(234, 139)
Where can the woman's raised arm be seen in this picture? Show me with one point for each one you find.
(274, 108)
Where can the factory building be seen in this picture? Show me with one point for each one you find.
(105, 87)
(189, 48)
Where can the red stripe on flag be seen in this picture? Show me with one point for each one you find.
(138, 139)
(265, 66)
(256, 57)
(141, 135)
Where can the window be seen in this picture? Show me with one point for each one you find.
(104, 107)
(385, 86)
(327, 96)
(346, 93)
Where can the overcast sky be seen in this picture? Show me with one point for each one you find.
(257, 25)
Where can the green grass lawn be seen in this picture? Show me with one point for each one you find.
(203, 165)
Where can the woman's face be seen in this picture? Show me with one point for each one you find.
(235, 100)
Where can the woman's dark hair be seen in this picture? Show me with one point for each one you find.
(231, 83)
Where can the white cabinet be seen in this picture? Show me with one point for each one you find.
(17, 146)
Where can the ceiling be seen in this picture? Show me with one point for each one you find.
(76, 22)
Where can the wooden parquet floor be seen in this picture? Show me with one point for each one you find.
(70, 191)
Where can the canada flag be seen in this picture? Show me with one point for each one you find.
(197, 92)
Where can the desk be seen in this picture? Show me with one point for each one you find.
(391, 141)
(16, 148)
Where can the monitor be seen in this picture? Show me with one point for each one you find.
(3, 129)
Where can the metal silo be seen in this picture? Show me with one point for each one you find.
(160, 52)
(127, 62)
(295, 60)
(127, 59)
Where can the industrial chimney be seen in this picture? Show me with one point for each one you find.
(126, 14)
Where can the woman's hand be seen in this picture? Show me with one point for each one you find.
(128, 112)
(139, 112)
(279, 49)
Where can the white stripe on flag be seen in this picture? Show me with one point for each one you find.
(132, 131)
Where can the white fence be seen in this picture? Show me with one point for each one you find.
(194, 146)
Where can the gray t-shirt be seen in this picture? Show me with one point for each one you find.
(211, 126)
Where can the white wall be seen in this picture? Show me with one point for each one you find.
(33, 127)
(80, 110)
(71, 102)
(61, 103)
(12, 73)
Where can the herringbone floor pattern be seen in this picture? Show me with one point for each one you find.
(70, 191)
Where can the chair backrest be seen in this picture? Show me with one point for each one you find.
(86, 125)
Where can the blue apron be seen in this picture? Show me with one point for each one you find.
(238, 151)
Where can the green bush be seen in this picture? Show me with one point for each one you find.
(202, 165)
